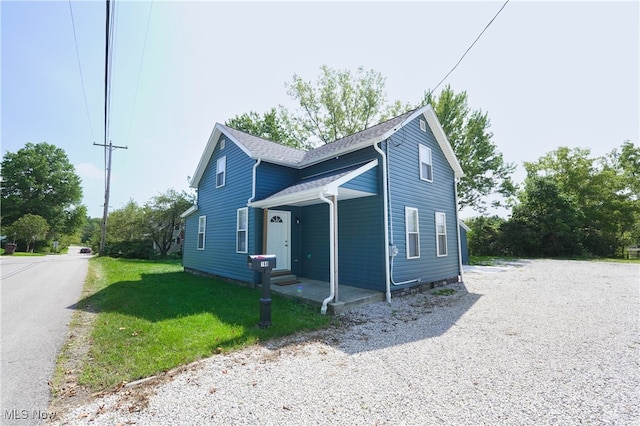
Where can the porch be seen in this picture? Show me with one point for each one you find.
(313, 292)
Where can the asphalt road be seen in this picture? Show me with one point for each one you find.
(37, 297)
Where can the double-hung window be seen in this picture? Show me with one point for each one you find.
(242, 230)
(413, 232)
(221, 171)
(426, 165)
(441, 234)
(202, 226)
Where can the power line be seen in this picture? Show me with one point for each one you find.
(106, 69)
(84, 94)
(135, 96)
(469, 48)
(108, 146)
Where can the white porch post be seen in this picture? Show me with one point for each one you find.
(335, 242)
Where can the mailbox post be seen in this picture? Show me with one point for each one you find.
(264, 263)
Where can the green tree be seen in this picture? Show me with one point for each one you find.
(341, 103)
(90, 229)
(485, 236)
(602, 191)
(272, 125)
(127, 223)
(39, 179)
(162, 217)
(549, 218)
(485, 171)
(29, 228)
(338, 104)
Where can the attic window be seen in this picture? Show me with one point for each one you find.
(423, 125)
(221, 168)
(426, 164)
(222, 141)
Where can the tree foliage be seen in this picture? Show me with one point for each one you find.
(468, 132)
(39, 179)
(162, 217)
(572, 205)
(29, 228)
(272, 125)
(134, 230)
(341, 103)
(127, 223)
(338, 104)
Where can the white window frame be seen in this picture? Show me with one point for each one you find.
(202, 227)
(425, 158)
(441, 231)
(242, 227)
(423, 125)
(411, 232)
(222, 143)
(221, 169)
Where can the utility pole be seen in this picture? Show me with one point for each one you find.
(105, 212)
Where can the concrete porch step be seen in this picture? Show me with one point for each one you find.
(284, 279)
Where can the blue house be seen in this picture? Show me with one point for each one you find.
(376, 209)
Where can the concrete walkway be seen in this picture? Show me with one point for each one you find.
(313, 292)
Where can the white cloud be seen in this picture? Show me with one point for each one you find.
(89, 171)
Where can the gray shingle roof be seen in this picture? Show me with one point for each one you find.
(271, 151)
(315, 182)
(352, 142)
(266, 149)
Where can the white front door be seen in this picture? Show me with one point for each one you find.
(279, 238)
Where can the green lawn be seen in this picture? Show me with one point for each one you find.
(153, 316)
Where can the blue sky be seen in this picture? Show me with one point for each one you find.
(548, 74)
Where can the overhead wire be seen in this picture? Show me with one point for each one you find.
(111, 56)
(469, 48)
(84, 93)
(135, 96)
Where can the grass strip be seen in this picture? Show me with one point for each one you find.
(152, 316)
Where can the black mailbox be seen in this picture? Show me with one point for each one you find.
(261, 262)
(264, 263)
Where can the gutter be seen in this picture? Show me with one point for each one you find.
(332, 281)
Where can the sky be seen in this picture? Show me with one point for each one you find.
(548, 74)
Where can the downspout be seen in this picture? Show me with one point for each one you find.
(455, 189)
(385, 203)
(391, 227)
(332, 265)
(253, 183)
(253, 192)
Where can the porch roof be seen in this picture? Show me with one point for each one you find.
(309, 191)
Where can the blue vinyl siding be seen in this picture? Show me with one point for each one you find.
(407, 190)
(220, 205)
(360, 222)
(464, 245)
(315, 242)
(361, 243)
(368, 181)
(273, 178)
(358, 157)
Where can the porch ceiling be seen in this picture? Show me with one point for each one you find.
(308, 192)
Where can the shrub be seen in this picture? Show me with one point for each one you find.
(134, 249)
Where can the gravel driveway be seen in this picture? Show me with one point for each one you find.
(537, 342)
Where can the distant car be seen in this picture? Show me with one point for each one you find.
(85, 250)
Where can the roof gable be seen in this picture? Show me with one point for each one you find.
(266, 150)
